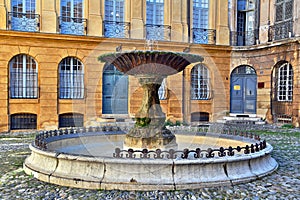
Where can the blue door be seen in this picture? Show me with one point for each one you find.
(243, 92)
(115, 91)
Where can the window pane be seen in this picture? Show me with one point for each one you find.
(71, 75)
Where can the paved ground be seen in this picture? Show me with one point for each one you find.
(283, 184)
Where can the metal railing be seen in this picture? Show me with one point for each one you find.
(23, 22)
(204, 36)
(72, 25)
(281, 30)
(158, 32)
(114, 29)
(246, 38)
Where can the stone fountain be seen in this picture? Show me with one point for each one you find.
(148, 156)
(150, 67)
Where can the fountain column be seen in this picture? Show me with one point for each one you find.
(149, 131)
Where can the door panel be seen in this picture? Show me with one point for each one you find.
(237, 97)
(243, 94)
(115, 93)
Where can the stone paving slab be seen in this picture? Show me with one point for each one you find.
(282, 184)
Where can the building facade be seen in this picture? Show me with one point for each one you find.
(50, 76)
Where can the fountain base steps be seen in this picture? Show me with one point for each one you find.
(240, 118)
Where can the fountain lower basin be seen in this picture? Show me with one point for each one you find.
(95, 160)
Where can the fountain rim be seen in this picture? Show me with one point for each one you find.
(192, 58)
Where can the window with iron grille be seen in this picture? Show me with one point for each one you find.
(23, 121)
(23, 77)
(284, 10)
(155, 12)
(285, 83)
(70, 120)
(162, 91)
(71, 75)
(200, 83)
(283, 26)
(114, 10)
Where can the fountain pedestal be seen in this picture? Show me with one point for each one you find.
(149, 131)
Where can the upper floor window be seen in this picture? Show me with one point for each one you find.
(114, 10)
(200, 82)
(283, 26)
(71, 79)
(22, 16)
(200, 22)
(155, 29)
(71, 20)
(247, 23)
(285, 83)
(114, 25)
(200, 14)
(23, 77)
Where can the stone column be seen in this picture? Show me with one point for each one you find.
(3, 13)
(222, 29)
(176, 23)
(137, 19)
(49, 16)
(95, 20)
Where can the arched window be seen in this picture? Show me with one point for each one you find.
(70, 120)
(285, 83)
(200, 21)
(71, 20)
(23, 121)
(200, 83)
(23, 77)
(162, 91)
(71, 79)
(155, 19)
(23, 17)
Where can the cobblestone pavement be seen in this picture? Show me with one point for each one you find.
(282, 184)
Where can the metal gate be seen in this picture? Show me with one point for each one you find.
(243, 90)
(115, 91)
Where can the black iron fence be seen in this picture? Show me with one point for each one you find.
(72, 25)
(246, 38)
(29, 22)
(204, 36)
(281, 30)
(114, 29)
(157, 32)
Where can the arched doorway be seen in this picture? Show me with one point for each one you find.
(243, 90)
(114, 91)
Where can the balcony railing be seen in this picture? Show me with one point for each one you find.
(204, 36)
(158, 32)
(23, 22)
(114, 29)
(281, 30)
(73, 25)
(244, 38)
